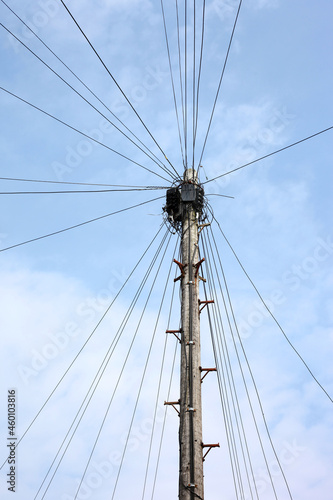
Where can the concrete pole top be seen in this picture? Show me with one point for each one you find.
(191, 175)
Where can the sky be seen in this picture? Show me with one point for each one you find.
(276, 91)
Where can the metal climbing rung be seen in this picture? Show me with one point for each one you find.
(207, 370)
(204, 302)
(209, 446)
(173, 403)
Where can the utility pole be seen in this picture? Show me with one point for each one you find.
(184, 208)
(190, 428)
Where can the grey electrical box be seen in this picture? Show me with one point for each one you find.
(179, 198)
(188, 192)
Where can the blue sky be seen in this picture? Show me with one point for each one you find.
(276, 91)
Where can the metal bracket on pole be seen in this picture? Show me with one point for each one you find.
(209, 446)
(207, 370)
(182, 269)
(173, 403)
(204, 302)
(174, 332)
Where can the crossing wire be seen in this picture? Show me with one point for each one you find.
(253, 382)
(84, 99)
(79, 225)
(86, 86)
(98, 377)
(89, 338)
(176, 176)
(220, 82)
(80, 132)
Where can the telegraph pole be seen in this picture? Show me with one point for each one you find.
(184, 208)
(190, 428)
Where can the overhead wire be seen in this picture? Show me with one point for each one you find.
(220, 82)
(270, 154)
(254, 385)
(181, 81)
(90, 335)
(164, 422)
(221, 195)
(172, 82)
(80, 183)
(212, 194)
(272, 315)
(80, 132)
(224, 401)
(161, 370)
(86, 101)
(226, 412)
(241, 369)
(118, 86)
(211, 262)
(100, 373)
(226, 381)
(199, 71)
(123, 367)
(193, 85)
(86, 86)
(93, 386)
(225, 371)
(78, 225)
(245, 385)
(79, 191)
(146, 363)
(185, 83)
(168, 399)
